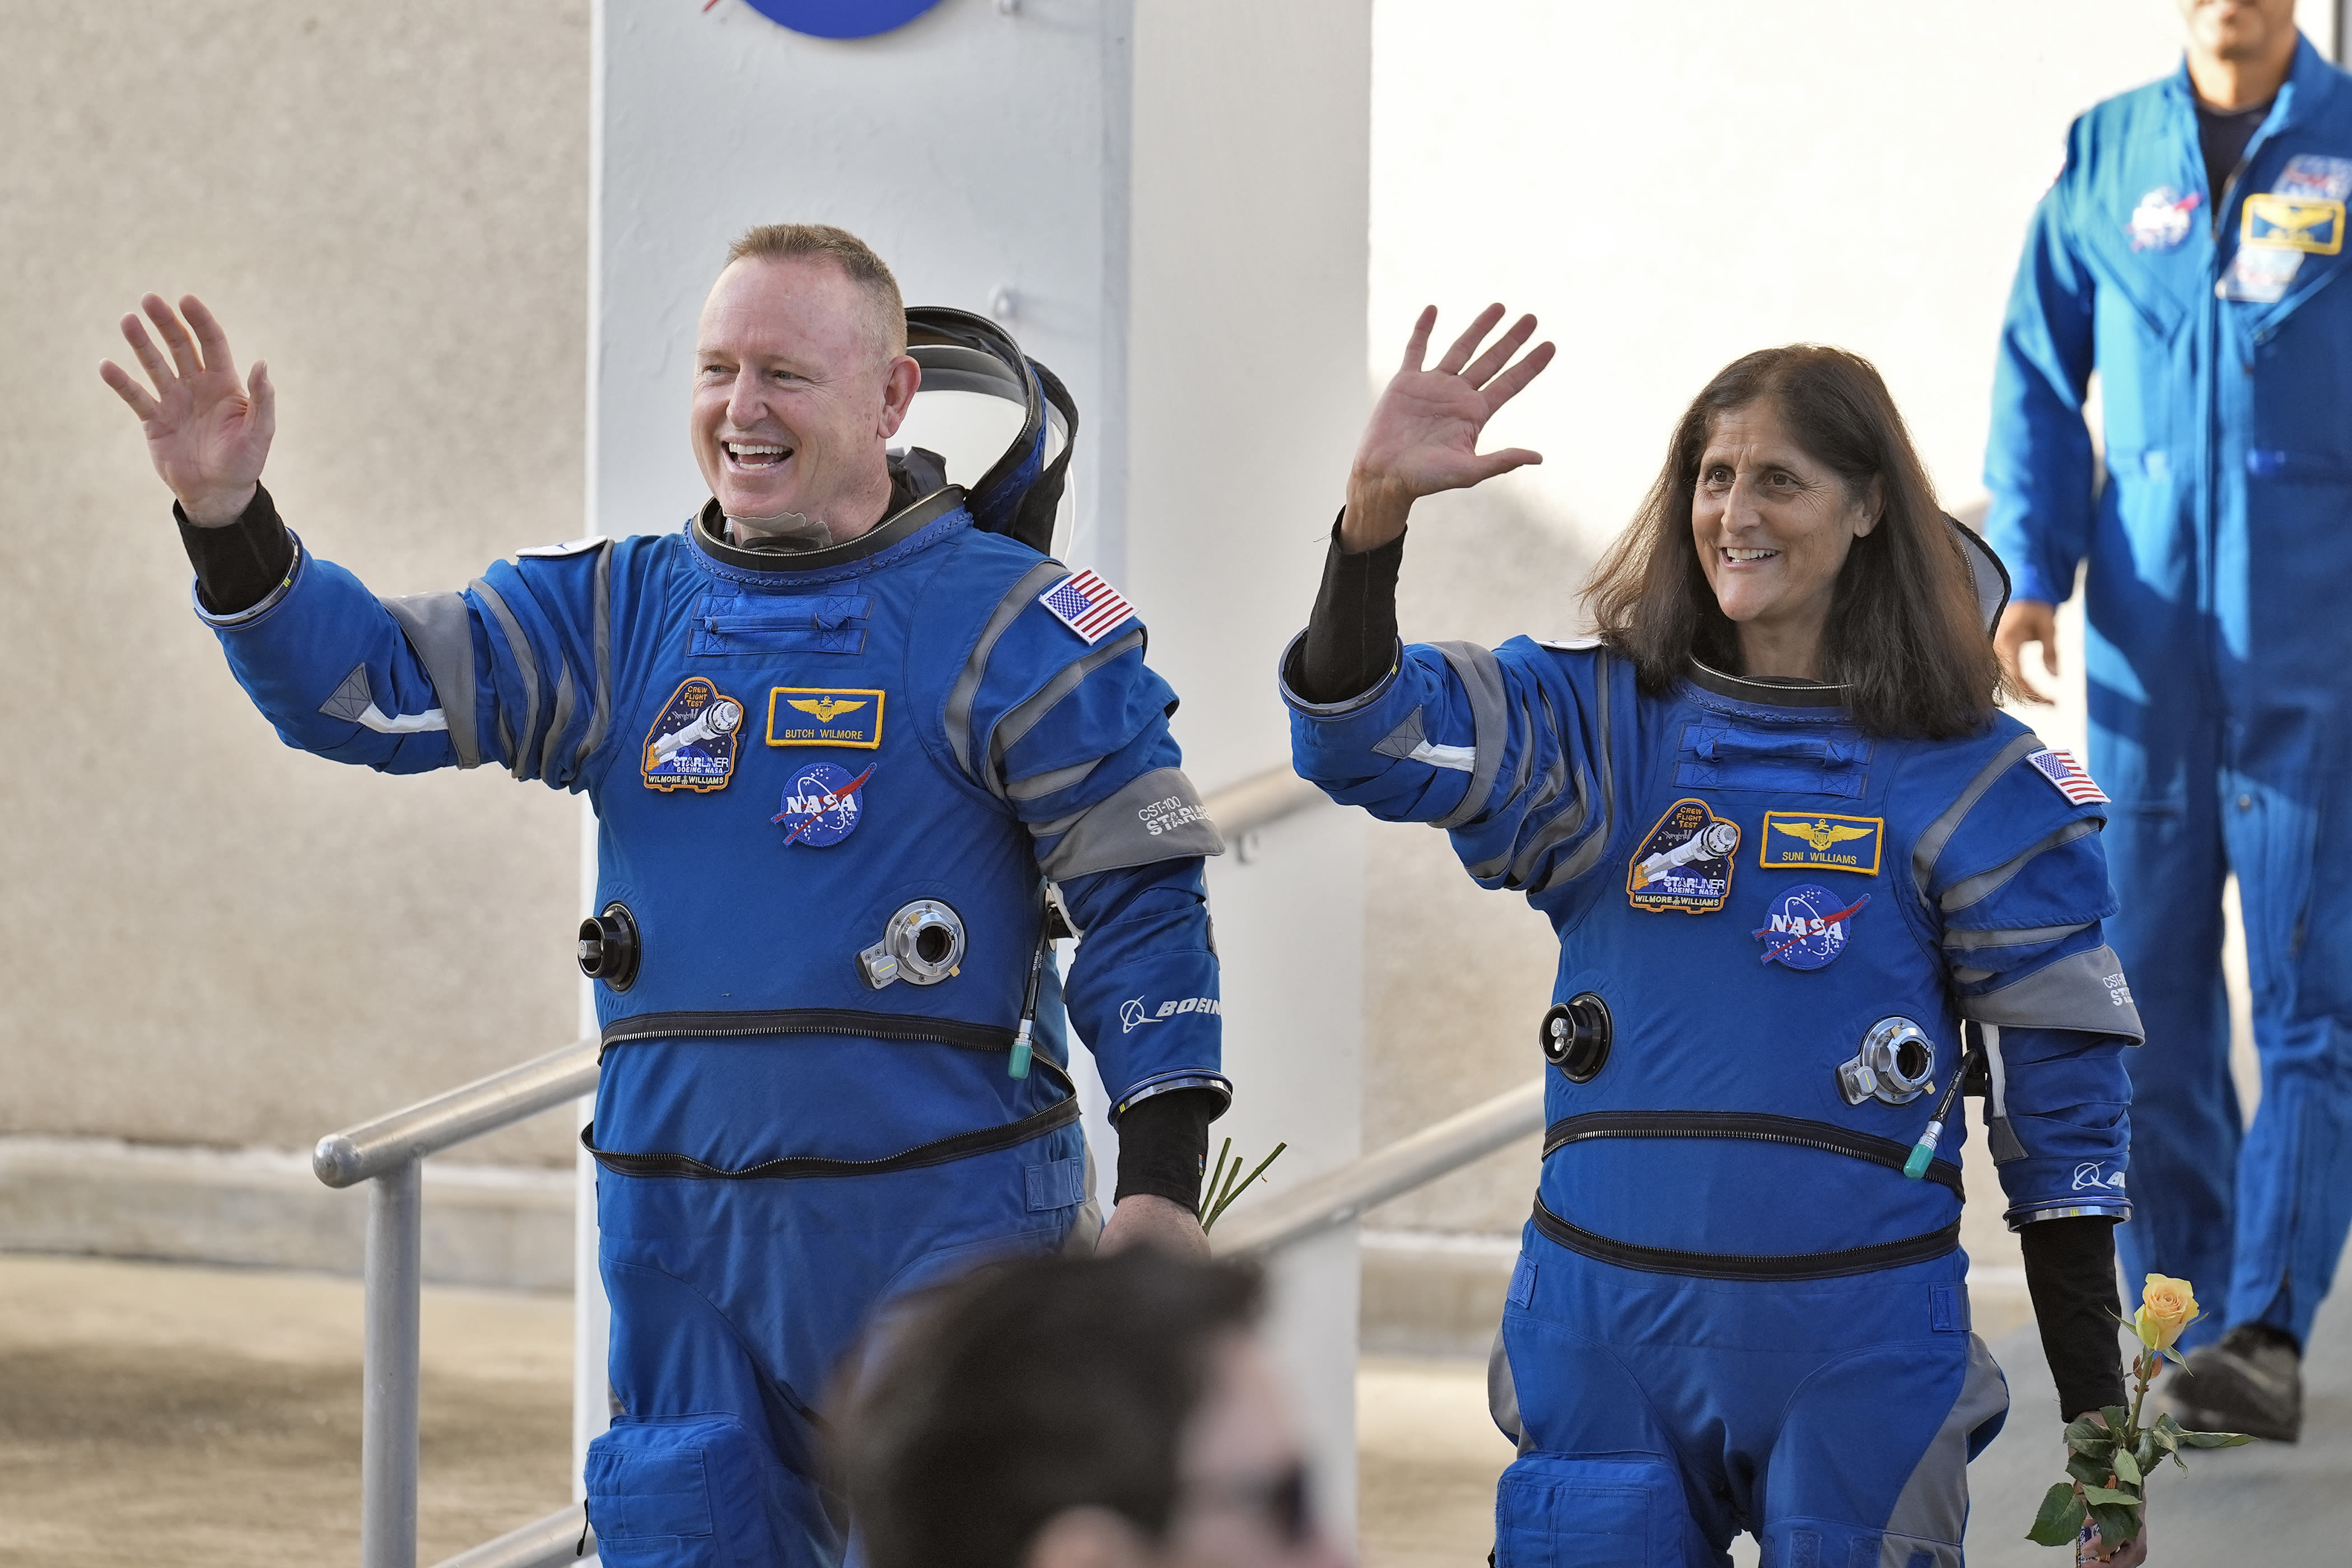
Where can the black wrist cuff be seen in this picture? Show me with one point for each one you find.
(2070, 1271)
(240, 563)
(1351, 638)
(1163, 1143)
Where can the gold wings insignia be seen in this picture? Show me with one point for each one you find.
(1819, 836)
(827, 709)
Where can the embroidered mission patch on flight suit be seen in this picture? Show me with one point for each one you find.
(692, 743)
(1686, 863)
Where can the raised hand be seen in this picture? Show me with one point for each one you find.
(1423, 433)
(207, 434)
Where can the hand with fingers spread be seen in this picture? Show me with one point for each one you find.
(208, 433)
(1423, 436)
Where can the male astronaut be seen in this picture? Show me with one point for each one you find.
(2192, 253)
(837, 739)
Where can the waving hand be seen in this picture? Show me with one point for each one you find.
(1423, 436)
(206, 433)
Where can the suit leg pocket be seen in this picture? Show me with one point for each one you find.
(1597, 1511)
(680, 1491)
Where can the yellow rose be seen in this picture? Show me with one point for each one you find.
(2167, 1306)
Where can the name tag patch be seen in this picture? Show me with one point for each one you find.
(2270, 219)
(1814, 841)
(825, 716)
(692, 743)
(1686, 863)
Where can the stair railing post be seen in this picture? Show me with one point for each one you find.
(388, 1408)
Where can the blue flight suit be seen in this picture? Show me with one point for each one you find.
(797, 1121)
(2217, 649)
(1731, 1310)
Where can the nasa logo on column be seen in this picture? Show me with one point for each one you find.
(821, 805)
(839, 18)
(1808, 927)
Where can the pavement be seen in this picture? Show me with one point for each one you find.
(171, 1415)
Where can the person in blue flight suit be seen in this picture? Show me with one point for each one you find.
(2188, 253)
(839, 740)
(1796, 861)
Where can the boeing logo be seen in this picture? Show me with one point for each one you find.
(1132, 1014)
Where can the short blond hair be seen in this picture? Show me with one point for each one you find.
(786, 241)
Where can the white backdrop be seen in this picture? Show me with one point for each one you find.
(1669, 186)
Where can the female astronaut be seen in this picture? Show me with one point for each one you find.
(1800, 868)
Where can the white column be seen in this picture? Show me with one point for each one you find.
(1247, 282)
(1165, 200)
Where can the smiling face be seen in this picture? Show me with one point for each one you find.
(1772, 524)
(796, 394)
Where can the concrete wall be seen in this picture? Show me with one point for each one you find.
(208, 938)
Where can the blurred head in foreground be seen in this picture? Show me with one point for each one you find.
(1080, 1412)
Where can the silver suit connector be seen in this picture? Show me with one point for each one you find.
(922, 945)
(1896, 1066)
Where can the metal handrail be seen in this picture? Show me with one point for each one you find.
(1334, 1198)
(373, 1147)
(1242, 811)
(389, 1150)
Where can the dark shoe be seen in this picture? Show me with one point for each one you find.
(2251, 1381)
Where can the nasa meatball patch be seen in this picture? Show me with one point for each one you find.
(821, 805)
(1686, 863)
(1807, 926)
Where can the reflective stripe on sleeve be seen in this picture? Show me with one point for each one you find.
(440, 629)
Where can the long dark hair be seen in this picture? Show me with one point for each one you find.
(1905, 633)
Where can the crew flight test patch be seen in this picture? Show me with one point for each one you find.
(825, 716)
(1686, 863)
(691, 745)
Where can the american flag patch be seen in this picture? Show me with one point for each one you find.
(2069, 777)
(1087, 604)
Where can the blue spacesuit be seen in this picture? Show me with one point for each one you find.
(1731, 1310)
(2219, 550)
(831, 788)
